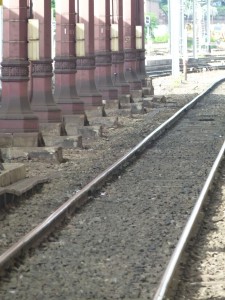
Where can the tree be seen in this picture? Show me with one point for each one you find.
(53, 3)
(163, 4)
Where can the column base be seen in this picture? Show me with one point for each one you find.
(109, 93)
(52, 115)
(71, 107)
(91, 101)
(19, 124)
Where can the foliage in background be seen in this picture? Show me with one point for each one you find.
(163, 4)
(154, 21)
(153, 24)
(53, 6)
(221, 11)
(161, 39)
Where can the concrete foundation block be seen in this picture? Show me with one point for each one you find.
(72, 122)
(148, 103)
(12, 172)
(124, 99)
(63, 141)
(110, 104)
(98, 111)
(94, 131)
(8, 193)
(136, 95)
(6, 140)
(137, 108)
(76, 120)
(159, 98)
(56, 129)
(104, 121)
(21, 140)
(30, 153)
(147, 91)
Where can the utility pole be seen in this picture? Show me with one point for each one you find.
(195, 28)
(175, 35)
(208, 26)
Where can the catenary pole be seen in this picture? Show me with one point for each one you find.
(175, 35)
(208, 26)
(194, 28)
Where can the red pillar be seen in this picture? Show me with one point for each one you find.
(129, 37)
(65, 61)
(15, 114)
(85, 78)
(42, 101)
(103, 50)
(118, 56)
(141, 52)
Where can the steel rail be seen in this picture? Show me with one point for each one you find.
(40, 231)
(167, 278)
(216, 61)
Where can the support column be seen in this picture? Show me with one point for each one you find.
(42, 101)
(118, 56)
(85, 78)
(15, 114)
(65, 61)
(141, 52)
(103, 50)
(129, 23)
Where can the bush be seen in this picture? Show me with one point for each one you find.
(161, 39)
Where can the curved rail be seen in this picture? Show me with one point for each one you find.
(39, 233)
(167, 278)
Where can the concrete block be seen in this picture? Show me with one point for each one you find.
(90, 131)
(124, 99)
(98, 111)
(109, 104)
(104, 121)
(137, 108)
(33, 139)
(147, 91)
(56, 129)
(63, 141)
(33, 153)
(159, 98)
(125, 106)
(21, 187)
(77, 120)
(6, 140)
(28, 140)
(136, 95)
(148, 103)
(12, 173)
(71, 129)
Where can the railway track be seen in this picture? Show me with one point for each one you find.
(163, 66)
(202, 276)
(196, 269)
(117, 246)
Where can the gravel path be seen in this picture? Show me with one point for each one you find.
(108, 237)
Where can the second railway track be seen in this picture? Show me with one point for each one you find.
(118, 245)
